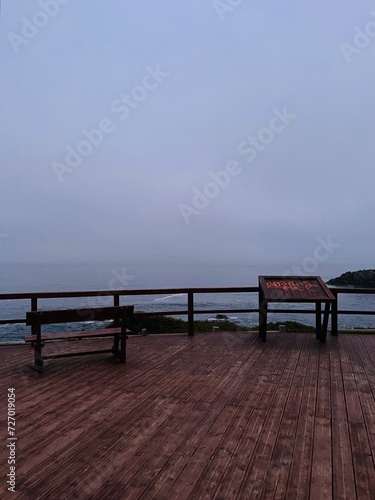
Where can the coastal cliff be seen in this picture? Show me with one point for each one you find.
(364, 279)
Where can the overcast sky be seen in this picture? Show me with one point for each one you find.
(278, 95)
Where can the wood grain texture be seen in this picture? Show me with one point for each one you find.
(218, 415)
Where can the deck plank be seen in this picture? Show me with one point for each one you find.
(321, 470)
(220, 415)
(300, 472)
(343, 476)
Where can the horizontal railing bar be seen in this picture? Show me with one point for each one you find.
(309, 311)
(154, 291)
(198, 311)
(292, 311)
(162, 313)
(239, 311)
(357, 312)
(11, 321)
(151, 291)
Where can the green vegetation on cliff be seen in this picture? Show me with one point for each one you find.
(167, 324)
(364, 279)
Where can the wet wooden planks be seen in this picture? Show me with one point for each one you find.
(219, 415)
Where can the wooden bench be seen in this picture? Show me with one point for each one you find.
(118, 314)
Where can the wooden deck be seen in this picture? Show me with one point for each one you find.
(215, 416)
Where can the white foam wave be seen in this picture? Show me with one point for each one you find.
(170, 297)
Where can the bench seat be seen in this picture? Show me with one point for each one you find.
(104, 332)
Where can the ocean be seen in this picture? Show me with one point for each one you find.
(16, 278)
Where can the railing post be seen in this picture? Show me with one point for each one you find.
(34, 307)
(334, 315)
(263, 310)
(318, 319)
(116, 303)
(190, 314)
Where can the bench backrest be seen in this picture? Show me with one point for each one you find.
(77, 315)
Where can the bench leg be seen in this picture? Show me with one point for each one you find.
(38, 358)
(115, 348)
(123, 348)
(119, 347)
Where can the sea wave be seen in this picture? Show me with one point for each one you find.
(161, 299)
(230, 318)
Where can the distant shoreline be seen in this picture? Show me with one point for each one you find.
(360, 279)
